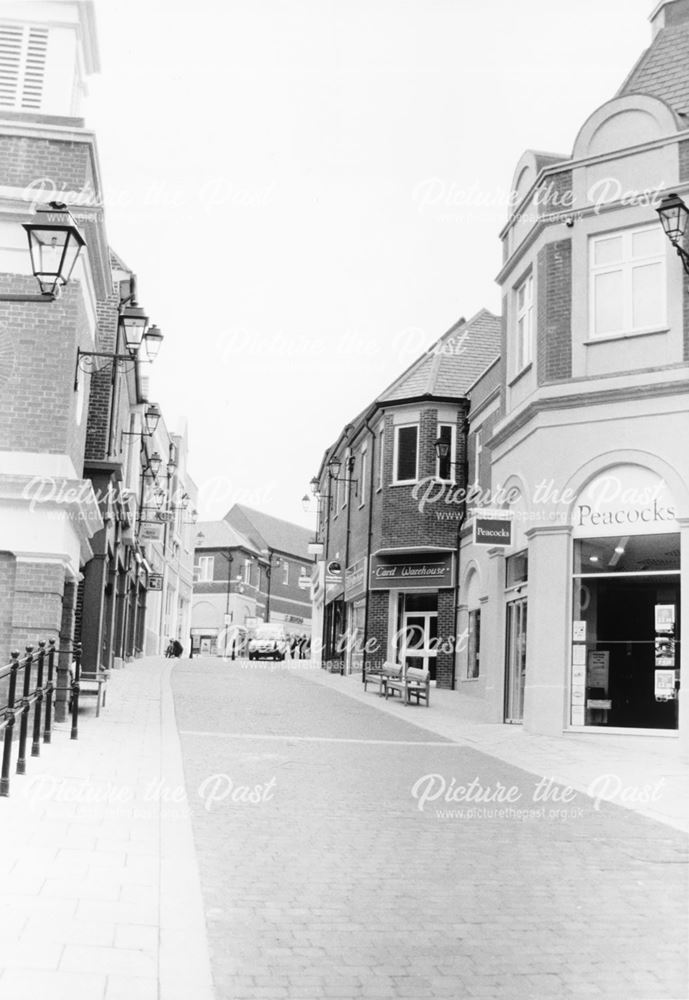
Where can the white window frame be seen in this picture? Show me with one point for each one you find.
(395, 453)
(285, 573)
(627, 266)
(247, 572)
(204, 569)
(524, 334)
(362, 475)
(453, 445)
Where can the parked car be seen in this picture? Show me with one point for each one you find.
(268, 642)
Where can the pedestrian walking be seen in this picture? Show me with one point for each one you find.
(170, 649)
(292, 646)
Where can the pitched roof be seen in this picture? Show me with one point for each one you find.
(267, 532)
(221, 535)
(453, 363)
(662, 71)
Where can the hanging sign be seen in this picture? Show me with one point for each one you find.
(493, 531)
(155, 581)
(149, 532)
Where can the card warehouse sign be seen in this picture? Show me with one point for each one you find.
(412, 571)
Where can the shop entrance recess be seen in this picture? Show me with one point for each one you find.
(418, 633)
(515, 672)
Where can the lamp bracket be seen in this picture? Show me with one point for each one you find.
(98, 361)
(45, 297)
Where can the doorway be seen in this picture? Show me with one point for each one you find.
(515, 672)
(418, 632)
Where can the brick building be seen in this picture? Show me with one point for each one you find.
(389, 521)
(75, 452)
(249, 568)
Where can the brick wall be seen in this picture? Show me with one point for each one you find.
(559, 193)
(37, 606)
(65, 164)
(7, 574)
(378, 604)
(446, 628)
(101, 384)
(38, 402)
(554, 312)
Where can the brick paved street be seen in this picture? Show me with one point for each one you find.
(336, 884)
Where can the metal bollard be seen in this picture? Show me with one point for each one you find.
(9, 729)
(25, 704)
(75, 691)
(50, 687)
(38, 703)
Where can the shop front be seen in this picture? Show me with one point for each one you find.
(626, 604)
(420, 586)
(355, 601)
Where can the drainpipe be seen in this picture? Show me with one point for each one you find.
(368, 539)
(328, 513)
(460, 525)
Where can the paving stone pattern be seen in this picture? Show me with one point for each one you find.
(338, 885)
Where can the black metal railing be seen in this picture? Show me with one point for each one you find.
(35, 676)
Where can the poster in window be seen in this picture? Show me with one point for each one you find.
(665, 617)
(598, 668)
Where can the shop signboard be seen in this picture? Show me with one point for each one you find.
(624, 500)
(493, 531)
(150, 532)
(405, 570)
(155, 581)
(355, 579)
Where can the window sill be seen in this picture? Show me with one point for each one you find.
(606, 338)
(405, 482)
(521, 374)
(469, 680)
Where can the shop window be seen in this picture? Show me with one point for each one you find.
(517, 569)
(406, 457)
(474, 644)
(627, 281)
(445, 465)
(525, 323)
(626, 632)
(203, 570)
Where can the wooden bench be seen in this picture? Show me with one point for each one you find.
(379, 675)
(91, 682)
(414, 684)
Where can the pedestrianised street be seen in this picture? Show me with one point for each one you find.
(332, 865)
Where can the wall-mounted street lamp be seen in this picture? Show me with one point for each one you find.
(674, 216)
(54, 244)
(335, 467)
(154, 463)
(133, 331)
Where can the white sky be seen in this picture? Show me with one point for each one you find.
(286, 177)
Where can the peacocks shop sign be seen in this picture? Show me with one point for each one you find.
(405, 570)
